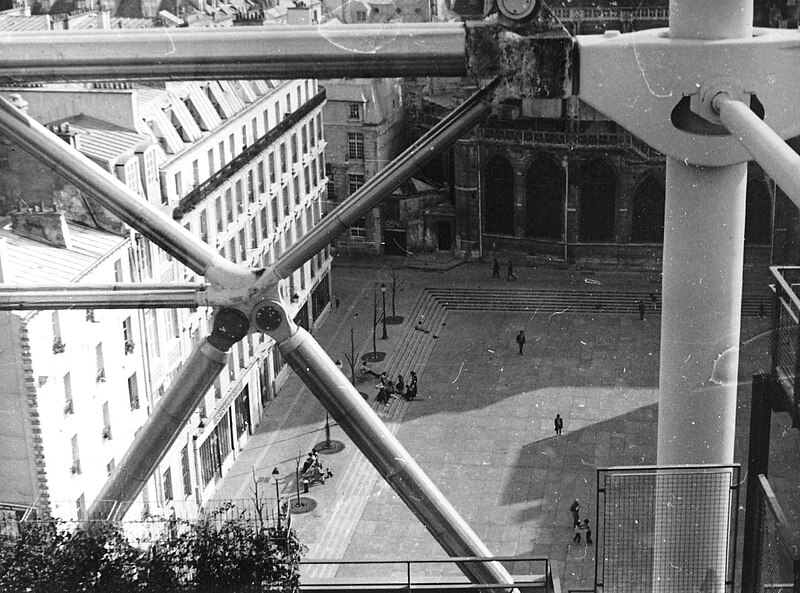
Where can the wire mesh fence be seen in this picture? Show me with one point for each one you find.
(778, 556)
(666, 528)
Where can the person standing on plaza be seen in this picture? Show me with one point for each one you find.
(575, 509)
(559, 425)
(576, 539)
(511, 275)
(496, 269)
(521, 341)
(411, 390)
(400, 386)
(586, 528)
(641, 309)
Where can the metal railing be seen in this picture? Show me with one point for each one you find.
(529, 573)
(589, 13)
(786, 336)
(643, 511)
(623, 141)
(777, 557)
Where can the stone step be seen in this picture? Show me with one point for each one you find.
(574, 301)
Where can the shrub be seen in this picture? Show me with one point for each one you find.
(235, 556)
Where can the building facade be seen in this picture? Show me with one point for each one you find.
(553, 180)
(238, 163)
(365, 130)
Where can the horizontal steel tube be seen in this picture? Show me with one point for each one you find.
(369, 433)
(376, 189)
(287, 51)
(774, 155)
(118, 198)
(159, 432)
(77, 296)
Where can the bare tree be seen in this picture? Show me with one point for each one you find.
(396, 286)
(351, 358)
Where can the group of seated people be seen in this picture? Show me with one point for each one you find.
(313, 470)
(388, 389)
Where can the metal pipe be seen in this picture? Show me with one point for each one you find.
(119, 199)
(703, 258)
(159, 432)
(437, 139)
(370, 434)
(111, 296)
(290, 51)
(767, 148)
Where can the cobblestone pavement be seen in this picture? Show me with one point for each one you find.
(482, 427)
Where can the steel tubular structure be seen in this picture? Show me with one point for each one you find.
(370, 434)
(159, 432)
(112, 296)
(289, 51)
(620, 74)
(772, 153)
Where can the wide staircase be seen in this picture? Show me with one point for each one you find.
(615, 302)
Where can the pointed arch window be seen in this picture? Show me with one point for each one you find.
(499, 196)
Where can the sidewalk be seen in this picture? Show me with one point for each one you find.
(482, 428)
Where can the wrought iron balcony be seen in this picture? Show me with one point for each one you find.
(202, 191)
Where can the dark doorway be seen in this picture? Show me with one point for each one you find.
(648, 212)
(758, 217)
(395, 242)
(242, 406)
(597, 194)
(444, 236)
(498, 197)
(544, 200)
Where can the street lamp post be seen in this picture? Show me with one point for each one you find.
(383, 293)
(275, 474)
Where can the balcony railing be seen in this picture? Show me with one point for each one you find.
(786, 336)
(531, 574)
(589, 13)
(622, 141)
(201, 192)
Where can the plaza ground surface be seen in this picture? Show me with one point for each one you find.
(482, 427)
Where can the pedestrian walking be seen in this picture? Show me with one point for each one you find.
(559, 425)
(336, 300)
(511, 275)
(641, 309)
(496, 269)
(588, 531)
(575, 509)
(521, 341)
(653, 300)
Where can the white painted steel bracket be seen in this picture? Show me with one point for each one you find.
(639, 79)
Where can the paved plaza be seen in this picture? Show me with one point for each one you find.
(482, 428)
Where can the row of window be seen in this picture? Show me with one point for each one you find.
(300, 143)
(597, 214)
(230, 206)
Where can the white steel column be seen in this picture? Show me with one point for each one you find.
(702, 283)
(700, 326)
(702, 294)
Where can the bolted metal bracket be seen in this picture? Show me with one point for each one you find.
(647, 83)
(260, 307)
